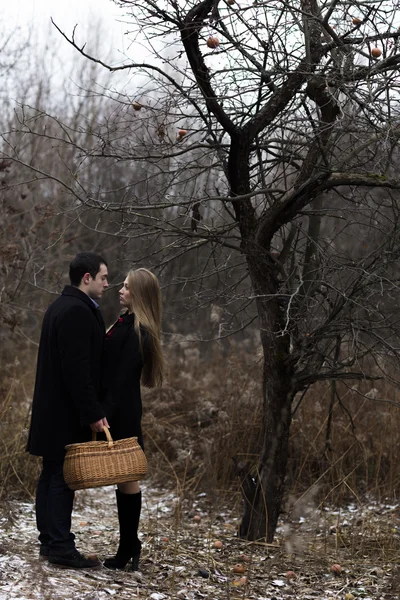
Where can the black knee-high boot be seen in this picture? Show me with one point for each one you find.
(129, 507)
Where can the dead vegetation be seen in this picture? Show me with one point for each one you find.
(210, 411)
(191, 551)
(341, 495)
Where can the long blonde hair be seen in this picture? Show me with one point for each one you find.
(146, 305)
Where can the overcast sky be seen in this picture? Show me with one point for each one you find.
(91, 16)
(67, 13)
(99, 25)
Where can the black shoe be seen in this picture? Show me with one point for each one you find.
(135, 562)
(129, 507)
(43, 552)
(118, 562)
(74, 560)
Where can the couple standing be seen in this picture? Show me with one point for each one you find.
(87, 380)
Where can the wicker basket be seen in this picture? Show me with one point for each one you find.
(100, 463)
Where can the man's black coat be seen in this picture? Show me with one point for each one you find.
(68, 376)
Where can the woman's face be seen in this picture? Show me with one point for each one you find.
(125, 295)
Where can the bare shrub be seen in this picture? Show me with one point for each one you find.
(212, 413)
(18, 470)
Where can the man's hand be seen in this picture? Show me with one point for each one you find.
(99, 425)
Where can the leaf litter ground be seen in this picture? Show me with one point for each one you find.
(179, 560)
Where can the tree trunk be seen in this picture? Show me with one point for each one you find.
(263, 492)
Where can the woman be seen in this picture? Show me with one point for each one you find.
(132, 356)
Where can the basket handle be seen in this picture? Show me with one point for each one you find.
(108, 436)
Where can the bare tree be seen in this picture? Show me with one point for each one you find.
(258, 144)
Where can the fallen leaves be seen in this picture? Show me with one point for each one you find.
(180, 558)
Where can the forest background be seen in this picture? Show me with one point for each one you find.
(248, 155)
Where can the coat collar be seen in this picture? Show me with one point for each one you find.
(127, 318)
(70, 290)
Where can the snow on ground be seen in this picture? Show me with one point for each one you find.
(179, 560)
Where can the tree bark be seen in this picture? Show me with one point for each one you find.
(263, 492)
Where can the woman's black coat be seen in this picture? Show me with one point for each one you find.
(123, 364)
(68, 376)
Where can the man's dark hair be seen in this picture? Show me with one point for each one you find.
(85, 262)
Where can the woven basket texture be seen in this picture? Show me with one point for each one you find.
(101, 463)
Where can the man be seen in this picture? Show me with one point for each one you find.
(66, 401)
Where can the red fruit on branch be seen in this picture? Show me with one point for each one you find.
(213, 42)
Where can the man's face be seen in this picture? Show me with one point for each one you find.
(95, 287)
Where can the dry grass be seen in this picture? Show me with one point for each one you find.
(18, 470)
(211, 411)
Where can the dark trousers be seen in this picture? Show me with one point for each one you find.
(54, 501)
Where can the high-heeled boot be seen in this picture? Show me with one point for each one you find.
(129, 507)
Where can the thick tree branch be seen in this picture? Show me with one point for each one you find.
(298, 199)
(189, 29)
